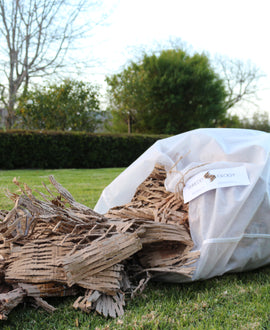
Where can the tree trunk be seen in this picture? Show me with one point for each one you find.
(129, 124)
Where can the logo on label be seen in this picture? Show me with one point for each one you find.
(213, 179)
(209, 176)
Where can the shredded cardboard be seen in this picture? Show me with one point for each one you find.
(54, 245)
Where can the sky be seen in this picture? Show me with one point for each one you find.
(238, 29)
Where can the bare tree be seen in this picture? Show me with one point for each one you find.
(35, 36)
(241, 80)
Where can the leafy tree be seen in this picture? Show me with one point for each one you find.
(230, 121)
(126, 91)
(167, 94)
(259, 121)
(72, 105)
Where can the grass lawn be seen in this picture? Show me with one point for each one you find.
(85, 185)
(233, 301)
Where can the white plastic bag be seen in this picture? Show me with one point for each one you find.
(230, 226)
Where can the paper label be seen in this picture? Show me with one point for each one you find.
(213, 179)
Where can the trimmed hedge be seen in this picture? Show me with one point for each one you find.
(54, 150)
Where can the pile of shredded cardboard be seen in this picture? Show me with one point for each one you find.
(55, 246)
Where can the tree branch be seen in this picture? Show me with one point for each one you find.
(241, 80)
(37, 36)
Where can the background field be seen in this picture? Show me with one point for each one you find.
(85, 185)
(233, 301)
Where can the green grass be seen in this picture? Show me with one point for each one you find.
(85, 185)
(233, 301)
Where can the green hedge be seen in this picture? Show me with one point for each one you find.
(53, 150)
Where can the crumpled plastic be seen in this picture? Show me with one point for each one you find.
(230, 226)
